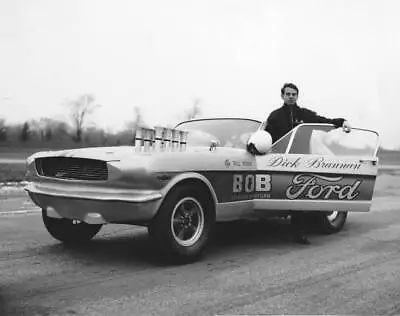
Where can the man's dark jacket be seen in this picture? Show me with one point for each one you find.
(284, 119)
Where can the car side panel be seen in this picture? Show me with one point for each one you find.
(298, 182)
(248, 185)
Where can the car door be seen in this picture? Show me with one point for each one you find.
(316, 167)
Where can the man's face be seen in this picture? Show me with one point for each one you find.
(289, 96)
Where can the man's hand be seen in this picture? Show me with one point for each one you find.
(346, 127)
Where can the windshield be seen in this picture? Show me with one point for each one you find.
(325, 139)
(225, 132)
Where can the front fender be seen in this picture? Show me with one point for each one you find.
(189, 176)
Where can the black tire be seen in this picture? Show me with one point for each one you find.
(69, 231)
(329, 222)
(182, 227)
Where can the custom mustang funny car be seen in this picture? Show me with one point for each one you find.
(179, 182)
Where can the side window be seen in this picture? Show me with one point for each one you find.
(308, 139)
(359, 142)
(281, 145)
(324, 139)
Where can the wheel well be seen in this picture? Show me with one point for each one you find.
(201, 186)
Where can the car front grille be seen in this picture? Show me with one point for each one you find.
(72, 168)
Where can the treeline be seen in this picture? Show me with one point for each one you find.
(52, 133)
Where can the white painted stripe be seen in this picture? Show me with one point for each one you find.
(20, 212)
(389, 167)
(310, 205)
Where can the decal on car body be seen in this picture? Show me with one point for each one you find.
(241, 186)
(313, 187)
(235, 163)
(306, 162)
(248, 186)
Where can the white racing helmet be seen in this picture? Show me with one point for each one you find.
(259, 142)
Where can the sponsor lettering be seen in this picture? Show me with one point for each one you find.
(250, 196)
(228, 163)
(251, 183)
(281, 161)
(309, 186)
(320, 162)
(313, 163)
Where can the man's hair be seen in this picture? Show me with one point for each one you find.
(289, 85)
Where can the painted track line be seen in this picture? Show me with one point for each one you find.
(21, 212)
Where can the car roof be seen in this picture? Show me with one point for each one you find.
(220, 118)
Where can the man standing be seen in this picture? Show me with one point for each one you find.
(282, 121)
(289, 115)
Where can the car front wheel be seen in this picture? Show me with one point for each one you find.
(68, 230)
(182, 227)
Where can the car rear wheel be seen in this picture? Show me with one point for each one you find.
(182, 227)
(330, 222)
(68, 230)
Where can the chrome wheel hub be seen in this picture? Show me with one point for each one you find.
(332, 216)
(187, 221)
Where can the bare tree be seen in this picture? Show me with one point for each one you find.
(25, 132)
(3, 130)
(47, 128)
(194, 111)
(50, 127)
(137, 119)
(60, 130)
(80, 109)
(131, 127)
(36, 129)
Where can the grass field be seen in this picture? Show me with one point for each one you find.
(12, 172)
(15, 172)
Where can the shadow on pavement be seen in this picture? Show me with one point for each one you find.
(131, 247)
(134, 246)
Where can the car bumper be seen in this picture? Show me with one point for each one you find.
(95, 206)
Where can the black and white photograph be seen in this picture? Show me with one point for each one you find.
(199, 157)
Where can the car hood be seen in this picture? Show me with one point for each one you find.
(200, 158)
(99, 153)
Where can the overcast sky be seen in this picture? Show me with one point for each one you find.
(233, 55)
